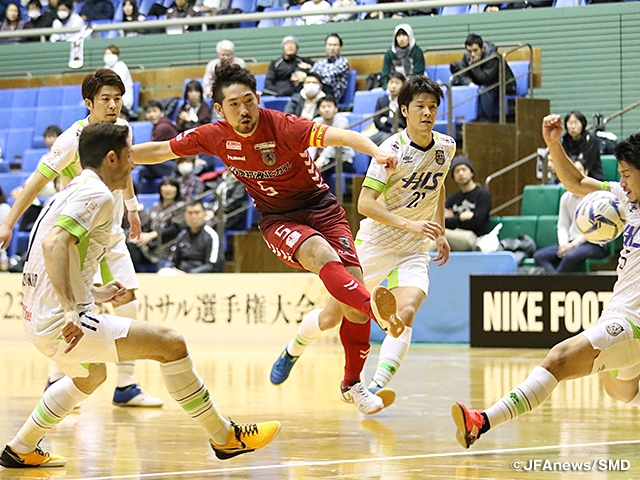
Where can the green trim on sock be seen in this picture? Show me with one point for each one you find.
(389, 367)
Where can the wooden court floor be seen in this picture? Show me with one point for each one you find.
(323, 437)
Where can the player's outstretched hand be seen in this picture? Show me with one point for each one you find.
(71, 332)
(384, 158)
(112, 291)
(427, 228)
(135, 229)
(551, 128)
(444, 251)
(5, 235)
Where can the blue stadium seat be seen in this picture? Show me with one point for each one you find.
(136, 96)
(3, 138)
(25, 97)
(361, 163)
(72, 95)
(347, 100)
(18, 140)
(50, 96)
(453, 10)
(287, 22)
(70, 115)
(568, 3)
(355, 117)
(520, 71)
(247, 6)
(145, 5)
(44, 117)
(141, 131)
(272, 22)
(148, 199)
(274, 103)
(23, 117)
(364, 101)
(31, 157)
(6, 97)
(149, 186)
(9, 181)
(260, 81)
(78, 6)
(465, 103)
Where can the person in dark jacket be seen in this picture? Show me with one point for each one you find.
(280, 80)
(197, 247)
(195, 110)
(582, 145)
(97, 10)
(305, 103)
(36, 19)
(467, 210)
(484, 75)
(385, 121)
(162, 130)
(404, 56)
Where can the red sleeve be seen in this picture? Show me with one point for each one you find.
(305, 132)
(197, 140)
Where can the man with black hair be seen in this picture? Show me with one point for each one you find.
(280, 79)
(302, 221)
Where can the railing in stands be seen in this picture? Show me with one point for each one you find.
(507, 169)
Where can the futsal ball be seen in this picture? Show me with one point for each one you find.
(600, 217)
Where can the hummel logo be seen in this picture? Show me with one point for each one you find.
(352, 285)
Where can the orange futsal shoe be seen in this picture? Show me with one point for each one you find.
(469, 424)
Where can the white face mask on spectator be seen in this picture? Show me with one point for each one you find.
(110, 60)
(311, 89)
(185, 169)
(33, 14)
(63, 14)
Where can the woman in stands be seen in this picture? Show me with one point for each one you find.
(12, 21)
(194, 111)
(582, 145)
(66, 19)
(130, 13)
(112, 61)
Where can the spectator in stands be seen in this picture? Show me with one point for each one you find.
(97, 10)
(324, 156)
(484, 75)
(226, 51)
(197, 247)
(50, 134)
(181, 9)
(262, 4)
(195, 110)
(36, 19)
(190, 184)
(305, 103)
(162, 129)
(395, 15)
(404, 56)
(467, 210)
(313, 6)
(112, 61)
(281, 79)
(211, 7)
(233, 197)
(572, 248)
(130, 13)
(581, 144)
(160, 226)
(66, 19)
(333, 70)
(385, 121)
(51, 12)
(343, 17)
(12, 22)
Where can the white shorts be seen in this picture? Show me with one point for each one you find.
(619, 347)
(400, 269)
(117, 264)
(98, 345)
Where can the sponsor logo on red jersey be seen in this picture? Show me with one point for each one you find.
(233, 145)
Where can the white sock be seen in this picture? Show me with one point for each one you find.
(55, 373)
(188, 389)
(392, 352)
(308, 331)
(58, 400)
(524, 398)
(126, 369)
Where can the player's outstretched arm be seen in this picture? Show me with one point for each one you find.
(370, 207)
(572, 179)
(338, 137)
(150, 153)
(25, 198)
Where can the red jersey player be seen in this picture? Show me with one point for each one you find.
(302, 221)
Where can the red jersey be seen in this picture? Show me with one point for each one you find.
(272, 163)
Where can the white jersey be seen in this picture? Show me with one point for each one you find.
(626, 292)
(411, 190)
(85, 209)
(63, 160)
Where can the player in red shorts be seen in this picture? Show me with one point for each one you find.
(302, 221)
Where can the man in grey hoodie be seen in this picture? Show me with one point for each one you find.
(404, 56)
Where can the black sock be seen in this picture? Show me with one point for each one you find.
(486, 426)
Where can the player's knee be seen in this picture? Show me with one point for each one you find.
(407, 314)
(174, 346)
(556, 360)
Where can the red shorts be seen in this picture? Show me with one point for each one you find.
(285, 232)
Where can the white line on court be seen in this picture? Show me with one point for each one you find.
(466, 453)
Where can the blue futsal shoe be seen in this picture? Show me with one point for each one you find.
(282, 367)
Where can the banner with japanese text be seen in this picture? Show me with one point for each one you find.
(210, 308)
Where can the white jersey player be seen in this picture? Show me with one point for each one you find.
(69, 239)
(405, 213)
(611, 347)
(102, 92)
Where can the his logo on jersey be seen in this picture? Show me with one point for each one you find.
(440, 157)
(344, 243)
(268, 157)
(233, 145)
(428, 181)
(614, 329)
(237, 159)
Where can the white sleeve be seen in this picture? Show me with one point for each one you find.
(89, 209)
(61, 155)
